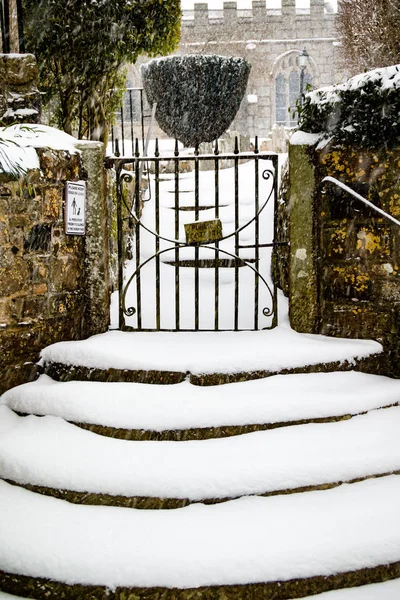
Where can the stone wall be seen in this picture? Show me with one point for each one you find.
(19, 97)
(53, 286)
(344, 257)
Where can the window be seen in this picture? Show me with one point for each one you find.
(280, 91)
(287, 92)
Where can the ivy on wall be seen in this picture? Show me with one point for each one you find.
(364, 111)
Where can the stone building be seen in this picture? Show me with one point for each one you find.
(271, 40)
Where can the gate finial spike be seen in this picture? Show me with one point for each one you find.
(236, 150)
(216, 149)
(176, 151)
(256, 145)
(156, 150)
(137, 147)
(116, 151)
(196, 150)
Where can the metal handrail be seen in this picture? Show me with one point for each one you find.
(359, 197)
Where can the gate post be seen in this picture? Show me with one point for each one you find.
(97, 284)
(303, 288)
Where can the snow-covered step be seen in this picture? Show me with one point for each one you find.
(303, 543)
(387, 590)
(184, 411)
(53, 454)
(209, 357)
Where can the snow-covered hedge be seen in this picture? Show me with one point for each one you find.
(364, 111)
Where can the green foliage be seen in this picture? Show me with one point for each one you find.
(81, 47)
(365, 111)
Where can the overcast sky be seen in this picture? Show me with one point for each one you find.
(188, 4)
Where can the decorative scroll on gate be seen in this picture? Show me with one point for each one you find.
(201, 241)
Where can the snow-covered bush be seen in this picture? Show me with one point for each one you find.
(365, 110)
(197, 95)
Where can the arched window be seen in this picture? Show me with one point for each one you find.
(287, 92)
(287, 87)
(280, 99)
(294, 94)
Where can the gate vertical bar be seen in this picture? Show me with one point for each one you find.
(196, 250)
(122, 130)
(137, 236)
(177, 289)
(142, 113)
(157, 223)
(216, 278)
(256, 234)
(112, 140)
(274, 257)
(120, 242)
(236, 165)
(131, 118)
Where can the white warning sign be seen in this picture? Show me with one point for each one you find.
(75, 208)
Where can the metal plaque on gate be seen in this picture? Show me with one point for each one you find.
(75, 208)
(203, 232)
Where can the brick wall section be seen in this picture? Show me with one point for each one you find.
(345, 258)
(46, 294)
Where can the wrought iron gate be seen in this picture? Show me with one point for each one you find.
(196, 246)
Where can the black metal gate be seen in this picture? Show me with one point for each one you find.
(196, 240)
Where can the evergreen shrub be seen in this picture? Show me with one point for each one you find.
(364, 111)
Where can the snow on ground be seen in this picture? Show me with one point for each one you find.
(241, 541)
(208, 352)
(280, 398)
(279, 459)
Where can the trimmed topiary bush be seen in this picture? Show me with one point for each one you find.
(197, 95)
(364, 111)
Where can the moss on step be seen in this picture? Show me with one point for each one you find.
(46, 589)
(376, 363)
(156, 503)
(199, 433)
(62, 372)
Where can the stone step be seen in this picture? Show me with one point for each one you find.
(292, 546)
(163, 503)
(36, 587)
(207, 358)
(280, 461)
(136, 411)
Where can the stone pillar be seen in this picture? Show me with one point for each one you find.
(19, 96)
(259, 11)
(317, 9)
(201, 15)
(96, 264)
(289, 8)
(230, 13)
(303, 295)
